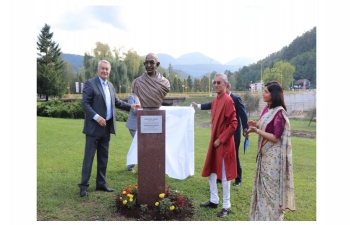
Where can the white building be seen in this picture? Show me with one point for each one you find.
(256, 86)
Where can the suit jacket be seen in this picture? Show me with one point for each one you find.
(131, 123)
(241, 114)
(94, 101)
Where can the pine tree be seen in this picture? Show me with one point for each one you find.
(49, 65)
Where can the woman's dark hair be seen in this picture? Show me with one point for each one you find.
(277, 96)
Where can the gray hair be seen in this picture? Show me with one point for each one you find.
(104, 61)
(224, 76)
(228, 85)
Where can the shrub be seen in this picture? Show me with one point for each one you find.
(70, 109)
(121, 115)
(251, 102)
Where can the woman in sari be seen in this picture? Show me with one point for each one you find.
(273, 188)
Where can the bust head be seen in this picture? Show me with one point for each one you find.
(151, 64)
(151, 87)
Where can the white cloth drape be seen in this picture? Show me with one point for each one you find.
(179, 142)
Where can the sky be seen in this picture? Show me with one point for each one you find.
(222, 30)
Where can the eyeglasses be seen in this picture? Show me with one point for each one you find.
(149, 62)
(217, 82)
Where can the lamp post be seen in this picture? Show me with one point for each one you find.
(261, 81)
(281, 78)
(209, 77)
(183, 89)
(68, 88)
(120, 88)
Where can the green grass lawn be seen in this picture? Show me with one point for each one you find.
(60, 149)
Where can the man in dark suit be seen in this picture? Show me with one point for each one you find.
(242, 118)
(99, 102)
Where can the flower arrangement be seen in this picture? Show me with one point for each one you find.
(170, 201)
(128, 196)
(172, 205)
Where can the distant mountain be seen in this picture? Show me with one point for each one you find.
(195, 64)
(195, 58)
(241, 61)
(75, 60)
(300, 53)
(200, 70)
(165, 60)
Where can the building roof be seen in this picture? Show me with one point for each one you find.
(301, 81)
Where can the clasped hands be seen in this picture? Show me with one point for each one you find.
(253, 126)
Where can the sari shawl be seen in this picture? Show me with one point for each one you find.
(273, 189)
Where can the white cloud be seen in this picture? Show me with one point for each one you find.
(223, 30)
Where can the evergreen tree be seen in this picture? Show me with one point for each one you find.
(189, 83)
(50, 65)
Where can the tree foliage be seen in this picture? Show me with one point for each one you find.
(301, 53)
(189, 83)
(251, 102)
(50, 65)
(311, 114)
(305, 66)
(102, 51)
(133, 61)
(281, 72)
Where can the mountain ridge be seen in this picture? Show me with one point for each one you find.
(195, 64)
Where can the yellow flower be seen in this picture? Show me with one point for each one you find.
(124, 202)
(157, 203)
(124, 192)
(131, 199)
(162, 195)
(172, 207)
(120, 198)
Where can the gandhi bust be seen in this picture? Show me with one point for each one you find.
(151, 87)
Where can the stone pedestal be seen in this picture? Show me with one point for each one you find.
(151, 155)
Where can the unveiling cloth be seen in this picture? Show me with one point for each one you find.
(151, 90)
(179, 142)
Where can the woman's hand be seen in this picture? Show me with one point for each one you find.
(252, 123)
(252, 129)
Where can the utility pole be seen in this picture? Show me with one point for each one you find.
(281, 78)
(209, 77)
(261, 80)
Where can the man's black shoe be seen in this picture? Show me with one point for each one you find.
(83, 192)
(104, 188)
(236, 184)
(208, 204)
(224, 213)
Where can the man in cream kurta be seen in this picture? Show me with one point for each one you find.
(220, 162)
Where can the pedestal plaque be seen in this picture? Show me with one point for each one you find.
(151, 155)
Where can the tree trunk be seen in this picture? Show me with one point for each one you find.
(312, 117)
